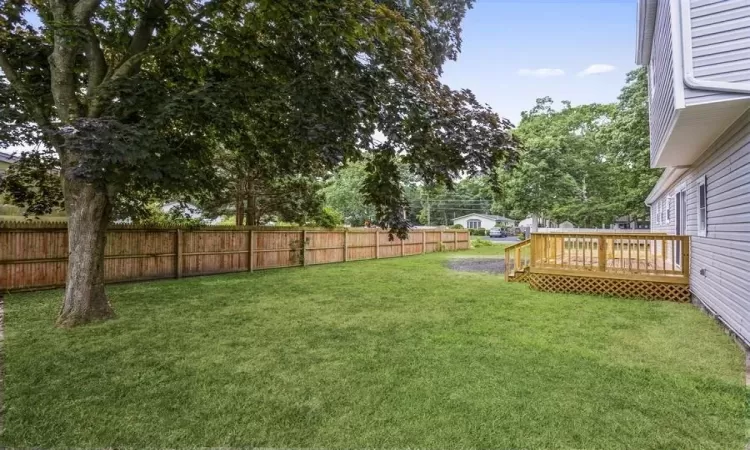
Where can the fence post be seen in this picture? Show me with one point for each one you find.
(424, 242)
(602, 254)
(304, 248)
(455, 241)
(346, 245)
(377, 244)
(178, 253)
(251, 251)
(402, 247)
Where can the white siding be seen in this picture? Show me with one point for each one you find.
(662, 110)
(725, 252)
(721, 46)
(486, 223)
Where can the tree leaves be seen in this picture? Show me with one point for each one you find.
(295, 87)
(587, 164)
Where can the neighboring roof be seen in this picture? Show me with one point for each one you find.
(486, 216)
(646, 22)
(7, 158)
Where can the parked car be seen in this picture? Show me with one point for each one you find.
(498, 233)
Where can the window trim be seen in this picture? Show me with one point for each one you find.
(469, 222)
(702, 213)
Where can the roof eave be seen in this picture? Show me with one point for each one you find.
(646, 22)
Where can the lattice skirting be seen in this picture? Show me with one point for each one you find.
(648, 290)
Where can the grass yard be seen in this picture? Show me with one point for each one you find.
(388, 353)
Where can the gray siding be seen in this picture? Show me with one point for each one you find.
(725, 252)
(721, 46)
(662, 111)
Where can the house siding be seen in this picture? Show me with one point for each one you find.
(662, 110)
(724, 253)
(720, 46)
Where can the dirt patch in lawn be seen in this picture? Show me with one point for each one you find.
(485, 265)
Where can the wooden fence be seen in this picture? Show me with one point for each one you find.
(36, 258)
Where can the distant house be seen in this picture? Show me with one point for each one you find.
(630, 223)
(486, 221)
(6, 161)
(543, 223)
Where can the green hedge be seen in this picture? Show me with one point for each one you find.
(478, 232)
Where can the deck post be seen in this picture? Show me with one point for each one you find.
(602, 254)
(686, 256)
(507, 264)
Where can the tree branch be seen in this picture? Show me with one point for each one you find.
(138, 46)
(144, 29)
(36, 110)
(83, 9)
(97, 70)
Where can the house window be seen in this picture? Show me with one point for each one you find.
(669, 209)
(657, 213)
(702, 210)
(473, 224)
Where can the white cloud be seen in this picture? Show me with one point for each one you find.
(596, 69)
(541, 73)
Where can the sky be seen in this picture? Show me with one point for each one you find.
(515, 51)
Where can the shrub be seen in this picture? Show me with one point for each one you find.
(480, 243)
(457, 226)
(477, 232)
(329, 218)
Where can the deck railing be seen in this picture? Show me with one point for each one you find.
(517, 258)
(654, 256)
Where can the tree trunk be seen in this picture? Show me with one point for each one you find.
(239, 210)
(88, 207)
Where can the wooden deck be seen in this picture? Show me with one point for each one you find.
(653, 266)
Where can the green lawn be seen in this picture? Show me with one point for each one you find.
(389, 353)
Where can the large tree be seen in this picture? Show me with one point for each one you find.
(129, 99)
(586, 163)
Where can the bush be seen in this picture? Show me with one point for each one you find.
(480, 243)
(457, 226)
(477, 232)
(329, 218)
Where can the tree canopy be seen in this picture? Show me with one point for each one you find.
(587, 164)
(127, 101)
